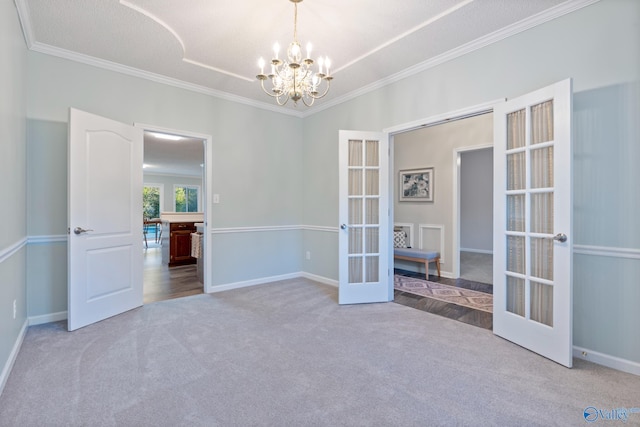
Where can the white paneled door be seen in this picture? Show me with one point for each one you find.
(364, 238)
(105, 218)
(532, 277)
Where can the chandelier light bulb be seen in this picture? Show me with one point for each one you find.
(276, 49)
(320, 62)
(308, 50)
(261, 65)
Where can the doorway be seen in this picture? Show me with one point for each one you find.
(433, 225)
(175, 171)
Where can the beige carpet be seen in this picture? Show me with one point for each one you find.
(287, 354)
(447, 293)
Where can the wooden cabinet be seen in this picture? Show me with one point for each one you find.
(176, 249)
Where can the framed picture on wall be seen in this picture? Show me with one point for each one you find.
(416, 185)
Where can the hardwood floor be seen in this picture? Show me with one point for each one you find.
(467, 315)
(162, 282)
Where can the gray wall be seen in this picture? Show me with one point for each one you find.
(13, 231)
(476, 200)
(598, 47)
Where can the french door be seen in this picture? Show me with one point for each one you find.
(533, 222)
(364, 238)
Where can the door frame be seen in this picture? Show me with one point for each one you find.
(206, 191)
(463, 113)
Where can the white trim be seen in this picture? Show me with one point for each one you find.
(477, 251)
(47, 318)
(25, 21)
(409, 225)
(607, 251)
(320, 228)
(449, 116)
(436, 227)
(12, 250)
(253, 282)
(320, 279)
(6, 370)
(255, 229)
(157, 78)
(612, 362)
(54, 238)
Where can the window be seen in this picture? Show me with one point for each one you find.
(151, 200)
(187, 198)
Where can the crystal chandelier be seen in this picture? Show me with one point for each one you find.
(293, 77)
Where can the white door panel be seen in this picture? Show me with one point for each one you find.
(533, 222)
(105, 218)
(364, 238)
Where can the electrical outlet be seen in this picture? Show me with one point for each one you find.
(15, 309)
(308, 254)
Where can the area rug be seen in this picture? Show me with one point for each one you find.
(446, 293)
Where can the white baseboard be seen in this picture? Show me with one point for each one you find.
(320, 279)
(6, 370)
(47, 318)
(607, 360)
(254, 282)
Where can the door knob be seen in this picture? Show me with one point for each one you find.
(560, 237)
(80, 230)
(343, 226)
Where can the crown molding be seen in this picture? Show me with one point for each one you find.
(25, 21)
(157, 78)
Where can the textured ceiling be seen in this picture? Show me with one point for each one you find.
(213, 45)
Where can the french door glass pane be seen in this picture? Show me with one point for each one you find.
(515, 295)
(515, 212)
(373, 182)
(515, 254)
(355, 270)
(542, 258)
(355, 240)
(372, 209)
(372, 239)
(516, 168)
(542, 303)
(372, 263)
(516, 128)
(542, 167)
(542, 213)
(355, 182)
(542, 122)
(355, 211)
(355, 152)
(372, 153)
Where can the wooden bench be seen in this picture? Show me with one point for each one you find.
(418, 255)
